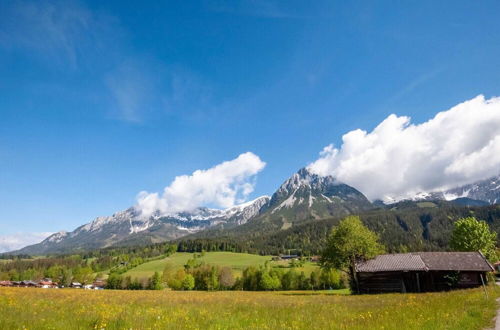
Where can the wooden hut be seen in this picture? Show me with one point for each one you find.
(421, 272)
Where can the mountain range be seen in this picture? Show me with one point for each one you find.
(486, 191)
(303, 197)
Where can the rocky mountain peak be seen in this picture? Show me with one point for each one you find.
(306, 179)
(317, 195)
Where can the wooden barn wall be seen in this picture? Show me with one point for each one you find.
(384, 282)
(380, 282)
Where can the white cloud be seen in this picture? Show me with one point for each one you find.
(20, 240)
(223, 185)
(398, 159)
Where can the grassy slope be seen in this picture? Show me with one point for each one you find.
(237, 261)
(72, 309)
(308, 267)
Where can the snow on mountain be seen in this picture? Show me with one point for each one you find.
(303, 196)
(485, 190)
(57, 237)
(124, 225)
(120, 217)
(306, 195)
(244, 212)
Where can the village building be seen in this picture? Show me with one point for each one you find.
(315, 258)
(47, 284)
(421, 272)
(28, 284)
(289, 256)
(6, 283)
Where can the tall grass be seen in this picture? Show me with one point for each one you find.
(78, 309)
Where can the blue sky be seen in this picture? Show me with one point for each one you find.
(101, 100)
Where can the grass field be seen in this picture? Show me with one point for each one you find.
(79, 309)
(237, 261)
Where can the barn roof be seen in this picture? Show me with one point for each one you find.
(472, 261)
(392, 262)
(425, 261)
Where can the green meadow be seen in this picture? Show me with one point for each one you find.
(236, 261)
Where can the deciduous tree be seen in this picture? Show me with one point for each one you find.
(469, 234)
(350, 241)
(226, 278)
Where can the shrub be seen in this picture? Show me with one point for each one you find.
(188, 282)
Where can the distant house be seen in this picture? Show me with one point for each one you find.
(421, 272)
(315, 258)
(288, 256)
(28, 284)
(47, 284)
(98, 284)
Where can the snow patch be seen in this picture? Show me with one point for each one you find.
(287, 203)
(57, 237)
(328, 199)
(311, 200)
(451, 196)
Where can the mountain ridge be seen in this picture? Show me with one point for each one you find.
(487, 190)
(111, 230)
(302, 197)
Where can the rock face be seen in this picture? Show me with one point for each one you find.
(303, 196)
(128, 227)
(485, 191)
(307, 195)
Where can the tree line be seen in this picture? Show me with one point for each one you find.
(348, 242)
(83, 267)
(196, 275)
(406, 226)
(340, 242)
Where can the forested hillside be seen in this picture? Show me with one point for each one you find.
(406, 226)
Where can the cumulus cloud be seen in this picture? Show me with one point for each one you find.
(399, 159)
(223, 185)
(20, 240)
